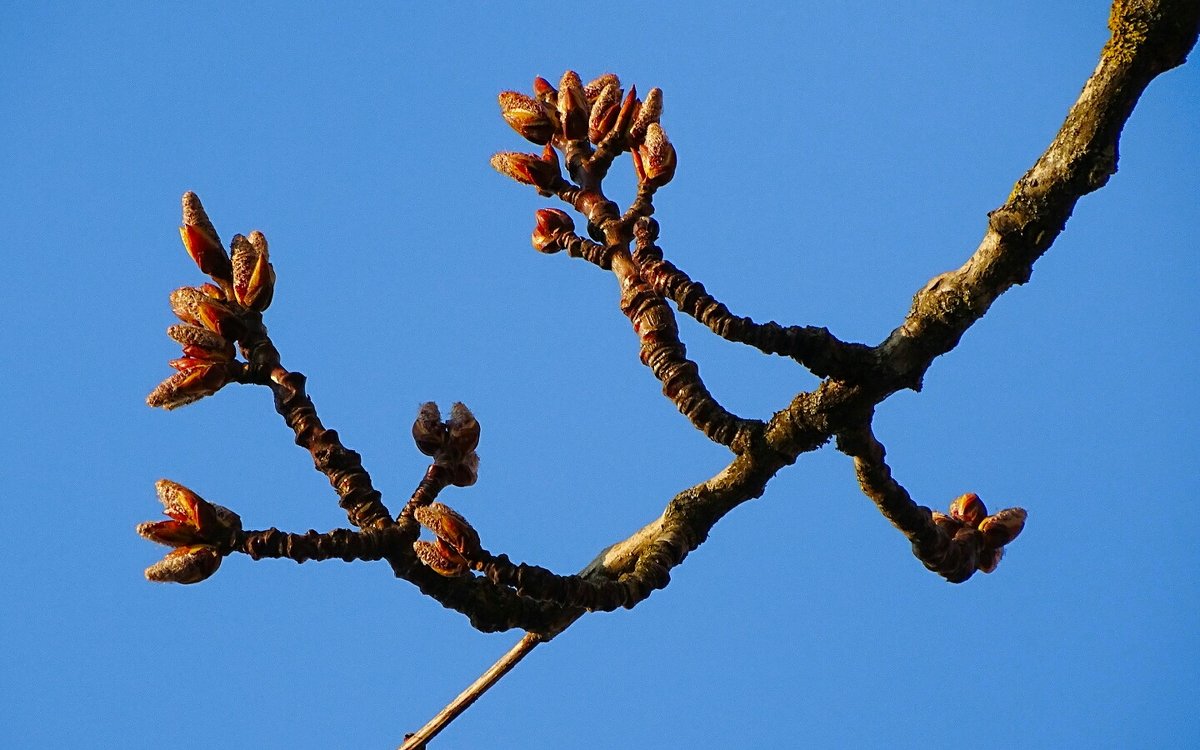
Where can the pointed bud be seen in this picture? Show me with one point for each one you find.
(545, 92)
(186, 565)
(528, 170)
(441, 559)
(1001, 528)
(182, 504)
(202, 343)
(466, 472)
(208, 255)
(194, 305)
(654, 160)
(171, 533)
(189, 385)
(189, 363)
(527, 116)
(450, 527)
(629, 110)
(572, 107)
(464, 429)
(595, 86)
(969, 509)
(219, 318)
(605, 108)
(552, 224)
(253, 275)
(201, 240)
(648, 113)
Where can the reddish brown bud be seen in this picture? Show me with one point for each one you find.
(572, 107)
(441, 559)
(654, 160)
(188, 385)
(202, 343)
(527, 116)
(186, 565)
(428, 431)
(253, 275)
(201, 240)
(450, 527)
(597, 85)
(464, 429)
(545, 92)
(552, 224)
(605, 108)
(212, 521)
(969, 509)
(217, 317)
(629, 110)
(466, 472)
(194, 305)
(945, 522)
(648, 113)
(1001, 528)
(171, 533)
(989, 558)
(528, 170)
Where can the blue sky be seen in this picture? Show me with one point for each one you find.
(831, 161)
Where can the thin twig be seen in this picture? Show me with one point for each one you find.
(417, 740)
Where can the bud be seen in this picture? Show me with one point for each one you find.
(449, 527)
(217, 317)
(648, 113)
(527, 116)
(552, 224)
(201, 240)
(572, 107)
(253, 275)
(171, 533)
(989, 558)
(193, 305)
(208, 255)
(969, 509)
(212, 521)
(464, 429)
(428, 431)
(190, 564)
(202, 343)
(545, 92)
(629, 110)
(188, 385)
(654, 159)
(528, 169)
(597, 85)
(466, 472)
(605, 108)
(443, 560)
(946, 523)
(1001, 528)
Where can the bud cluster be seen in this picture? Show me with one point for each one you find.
(200, 532)
(212, 313)
(575, 114)
(456, 544)
(968, 515)
(451, 443)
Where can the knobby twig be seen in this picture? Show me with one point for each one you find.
(582, 130)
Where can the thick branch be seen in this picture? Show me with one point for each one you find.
(1148, 38)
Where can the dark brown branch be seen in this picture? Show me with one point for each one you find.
(343, 467)
(816, 348)
(339, 544)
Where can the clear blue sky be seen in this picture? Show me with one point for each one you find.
(831, 161)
